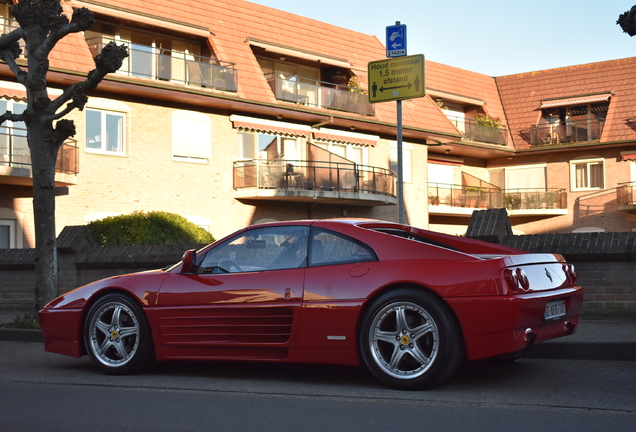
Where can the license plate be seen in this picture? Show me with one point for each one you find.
(554, 309)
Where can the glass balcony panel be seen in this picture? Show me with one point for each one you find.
(626, 194)
(474, 131)
(570, 131)
(171, 65)
(15, 152)
(322, 94)
(313, 175)
(485, 197)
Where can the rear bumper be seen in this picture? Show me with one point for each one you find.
(498, 325)
(61, 329)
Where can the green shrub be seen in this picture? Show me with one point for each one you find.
(147, 228)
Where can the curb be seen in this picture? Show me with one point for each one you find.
(21, 335)
(613, 351)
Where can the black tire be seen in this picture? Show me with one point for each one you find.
(117, 335)
(410, 339)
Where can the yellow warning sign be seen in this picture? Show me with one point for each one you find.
(396, 78)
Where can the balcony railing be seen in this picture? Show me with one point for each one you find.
(174, 66)
(625, 194)
(474, 131)
(313, 175)
(484, 197)
(15, 152)
(322, 95)
(568, 132)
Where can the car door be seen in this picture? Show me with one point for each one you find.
(243, 299)
(337, 282)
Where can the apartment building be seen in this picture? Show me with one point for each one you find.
(231, 113)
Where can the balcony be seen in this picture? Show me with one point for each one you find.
(570, 132)
(626, 196)
(15, 158)
(321, 94)
(473, 131)
(314, 181)
(172, 66)
(448, 199)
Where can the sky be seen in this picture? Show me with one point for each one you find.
(492, 37)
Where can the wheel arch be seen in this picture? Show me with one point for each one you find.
(96, 297)
(404, 285)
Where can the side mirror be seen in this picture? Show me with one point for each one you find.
(189, 257)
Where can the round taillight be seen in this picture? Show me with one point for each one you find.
(511, 279)
(570, 274)
(522, 279)
(517, 279)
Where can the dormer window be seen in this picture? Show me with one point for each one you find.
(571, 119)
(164, 56)
(469, 117)
(311, 79)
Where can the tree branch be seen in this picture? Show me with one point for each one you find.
(10, 50)
(108, 61)
(82, 19)
(10, 116)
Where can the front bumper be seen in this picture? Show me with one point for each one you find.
(62, 331)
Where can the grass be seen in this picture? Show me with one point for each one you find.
(23, 322)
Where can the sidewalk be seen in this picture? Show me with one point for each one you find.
(594, 340)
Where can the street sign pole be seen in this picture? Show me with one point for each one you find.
(394, 79)
(400, 179)
(398, 33)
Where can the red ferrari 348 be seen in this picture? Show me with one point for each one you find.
(407, 304)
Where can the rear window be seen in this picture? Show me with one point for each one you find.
(411, 236)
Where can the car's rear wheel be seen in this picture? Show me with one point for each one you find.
(410, 339)
(117, 335)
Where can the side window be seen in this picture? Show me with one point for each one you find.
(328, 247)
(105, 131)
(261, 249)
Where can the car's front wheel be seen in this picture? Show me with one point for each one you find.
(117, 335)
(410, 339)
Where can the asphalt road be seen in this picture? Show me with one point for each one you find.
(47, 392)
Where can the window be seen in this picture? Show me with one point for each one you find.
(105, 131)
(191, 137)
(13, 135)
(330, 248)
(7, 234)
(523, 178)
(587, 174)
(441, 174)
(272, 248)
(245, 146)
(292, 82)
(351, 152)
(268, 147)
(406, 160)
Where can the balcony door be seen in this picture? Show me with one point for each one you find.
(7, 234)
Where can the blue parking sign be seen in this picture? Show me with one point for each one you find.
(396, 40)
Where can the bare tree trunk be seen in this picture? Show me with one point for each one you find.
(43, 165)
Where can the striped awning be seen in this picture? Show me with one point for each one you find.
(270, 127)
(628, 156)
(345, 137)
(575, 101)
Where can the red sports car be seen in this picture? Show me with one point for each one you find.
(407, 304)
